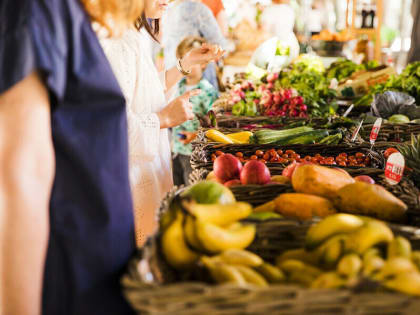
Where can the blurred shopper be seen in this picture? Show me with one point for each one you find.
(218, 9)
(315, 19)
(149, 114)
(414, 54)
(182, 135)
(66, 216)
(278, 19)
(190, 18)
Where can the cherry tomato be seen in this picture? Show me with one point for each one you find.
(274, 159)
(389, 151)
(343, 154)
(360, 155)
(314, 160)
(295, 156)
(219, 153)
(299, 160)
(282, 160)
(307, 158)
(352, 158)
(239, 154)
(273, 153)
(280, 152)
(213, 157)
(254, 157)
(362, 165)
(342, 163)
(259, 153)
(266, 156)
(285, 156)
(318, 155)
(340, 159)
(290, 152)
(271, 150)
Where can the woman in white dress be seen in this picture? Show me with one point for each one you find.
(148, 112)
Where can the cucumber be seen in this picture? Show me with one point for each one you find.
(309, 137)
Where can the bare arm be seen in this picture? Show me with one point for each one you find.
(27, 171)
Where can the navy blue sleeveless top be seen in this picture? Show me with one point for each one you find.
(91, 217)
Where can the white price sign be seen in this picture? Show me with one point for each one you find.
(375, 131)
(394, 168)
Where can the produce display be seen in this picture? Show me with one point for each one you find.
(341, 251)
(322, 191)
(344, 250)
(326, 35)
(286, 157)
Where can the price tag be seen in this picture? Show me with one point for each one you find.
(375, 131)
(356, 132)
(394, 168)
(348, 110)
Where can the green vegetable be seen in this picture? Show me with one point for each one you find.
(332, 139)
(399, 119)
(251, 109)
(310, 137)
(239, 109)
(267, 136)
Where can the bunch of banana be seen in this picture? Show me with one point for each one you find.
(190, 230)
(240, 267)
(342, 249)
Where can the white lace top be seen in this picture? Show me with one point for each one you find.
(149, 147)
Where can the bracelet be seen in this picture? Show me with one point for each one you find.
(181, 69)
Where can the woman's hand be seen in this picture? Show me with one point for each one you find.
(202, 55)
(189, 137)
(178, 111)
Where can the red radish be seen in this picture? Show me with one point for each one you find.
(255, 172)
(233, 182)
(227, 167)
(365, 178)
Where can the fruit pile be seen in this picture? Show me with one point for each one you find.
(322, 191)
(358, 159)
(205, 219)
(228, 170)
(344, 249)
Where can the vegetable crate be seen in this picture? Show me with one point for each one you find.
(391, 132)
(153, 287)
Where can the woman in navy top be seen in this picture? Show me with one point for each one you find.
(60, 102)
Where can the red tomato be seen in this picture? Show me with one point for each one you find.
(389, 151)
(259, 153)
(254, 157)
(280, 152)
(239, 154)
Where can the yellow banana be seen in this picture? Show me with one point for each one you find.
(190, 234)
(240, 137)
(216, 239)
(170, 215)
(290, 266)
(395, 266)
(372, 262)
(407, 282)
(174, 248)
(302, 277)
(251, 276)
(399, 247)
(335, 224)
(217, 136)
(240, 257)
(372, 233)
(218, 214)
(224, 273)
(415, 257)
(349, 266)
(271, 273)
(331, 251)
(298, 254)
(329, 280)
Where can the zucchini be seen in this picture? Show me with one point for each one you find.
(268, 136)
(308, 137)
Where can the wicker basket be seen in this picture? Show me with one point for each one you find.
(201, 156)
(152, 287)
(391, 132)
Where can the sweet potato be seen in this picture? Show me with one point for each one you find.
(371, 200)
(302, 206)
(320, 180)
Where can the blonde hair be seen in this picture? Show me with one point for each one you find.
(187, 44)
(114, 15)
